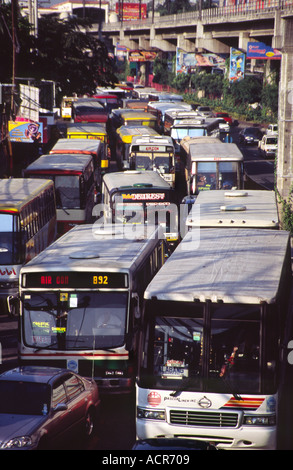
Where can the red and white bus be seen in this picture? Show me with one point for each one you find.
(74, 186)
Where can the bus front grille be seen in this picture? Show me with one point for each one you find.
(204, 418)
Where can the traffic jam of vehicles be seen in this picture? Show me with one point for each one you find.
(138, 261)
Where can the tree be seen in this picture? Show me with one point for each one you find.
(77, 61)
(64, 52)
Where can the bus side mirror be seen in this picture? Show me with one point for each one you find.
(135, 305)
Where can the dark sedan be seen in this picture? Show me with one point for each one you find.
(41, 407)
(250, 135)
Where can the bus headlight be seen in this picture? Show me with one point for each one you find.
(150, 414)
(268, 420)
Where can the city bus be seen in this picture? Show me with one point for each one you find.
(159, 109)
(211, 164)
(132, 117)
(192, 128)
(176, 116)
(140, 198)
(74, 184)
(234, 208)
(155, 153)
(95, 148)
(27, 226)
(123, 139)
(92, 131)
(89, 110)
(214, 322)
(81, 302)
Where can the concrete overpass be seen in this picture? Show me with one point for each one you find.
(216, 30)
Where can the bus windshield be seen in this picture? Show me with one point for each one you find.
(180, 133)
(216, 175)
(79, 320)
(149, 161)
(67, 190)
(182, 355)
(10, 251)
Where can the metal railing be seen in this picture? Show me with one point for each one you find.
(243, 8)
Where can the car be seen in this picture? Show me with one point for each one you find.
(204, 111)
(224, 126)
(272, 129)
(224, 116)
(268, 145)
(170, 444)
(43, 407)
(250, 135)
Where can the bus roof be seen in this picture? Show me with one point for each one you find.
(60, 162)
(82, 146)
(214, 151)
(234, 208)
(197, 122)
(152, 140)
(88, 102)
(225, 265)
(91, 128)
(92, 246)
(136, 113)
(127, 133)
(17, 192)
(136, 179)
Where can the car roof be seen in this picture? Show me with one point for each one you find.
(32, 374)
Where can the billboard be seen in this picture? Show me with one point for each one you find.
(142, 56)
(25, 131)
(187, 62)
(259, 50)
(131, 11)
(237, 65)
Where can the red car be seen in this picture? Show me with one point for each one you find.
(224, 116)
(42, 407)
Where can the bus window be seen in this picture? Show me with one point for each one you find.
(227, 175)
(235, 347)
(10, 250)
(68, 191)
(206, 175)
(92, 318)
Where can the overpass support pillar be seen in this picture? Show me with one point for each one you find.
(285, 118)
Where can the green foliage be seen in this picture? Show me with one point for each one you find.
(247, 90)
(162, 74)
(62, 52)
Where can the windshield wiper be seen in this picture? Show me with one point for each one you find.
(186, 382)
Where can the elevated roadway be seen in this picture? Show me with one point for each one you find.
(215, 30)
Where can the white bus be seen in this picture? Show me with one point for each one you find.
(234, 208)
(213, 327)
(81, 302)
(211, 164)
(155, 153)
(139, 198)
(28, 225)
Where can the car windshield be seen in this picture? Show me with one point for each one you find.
(25, 398)
(79, 320)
